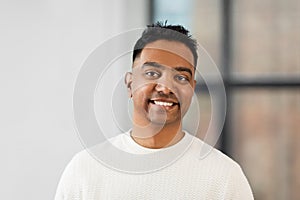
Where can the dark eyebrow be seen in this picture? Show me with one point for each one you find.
(157, 65)
(184, 69)
(152, 64)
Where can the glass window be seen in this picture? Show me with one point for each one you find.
(266, 37)
(266, 140)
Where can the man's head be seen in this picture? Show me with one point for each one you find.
(160, 31)
(162, 80)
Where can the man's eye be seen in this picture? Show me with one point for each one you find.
(152, 74)
(182, 78)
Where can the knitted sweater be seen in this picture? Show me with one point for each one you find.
(213, 177)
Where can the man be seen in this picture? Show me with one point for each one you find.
(161, 86)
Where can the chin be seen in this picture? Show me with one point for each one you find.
(162, 121)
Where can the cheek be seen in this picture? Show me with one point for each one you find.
(186, 96)
(138, 83)
(141, 92)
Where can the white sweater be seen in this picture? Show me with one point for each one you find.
(214, 177)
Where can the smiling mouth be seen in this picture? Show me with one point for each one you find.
(163, 103)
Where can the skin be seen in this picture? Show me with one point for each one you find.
(161, 86)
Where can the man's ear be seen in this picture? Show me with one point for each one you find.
(195, 83)
(128, 82)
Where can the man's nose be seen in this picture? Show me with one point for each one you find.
(164, 85)
(163, 88)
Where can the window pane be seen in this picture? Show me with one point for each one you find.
(178, 12)
(266, 37)
(206, 27)
(266, 141)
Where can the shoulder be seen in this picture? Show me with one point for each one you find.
(209, 158)
(81, 164)
(206, 152)
(222, 169)
(80, 171)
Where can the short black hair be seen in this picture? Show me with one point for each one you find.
(162, 31)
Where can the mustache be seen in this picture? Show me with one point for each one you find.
(165, 96)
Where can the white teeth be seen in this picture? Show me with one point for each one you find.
(161, 103)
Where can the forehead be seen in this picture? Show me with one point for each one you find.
(169, 53)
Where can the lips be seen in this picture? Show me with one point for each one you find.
(164, 102)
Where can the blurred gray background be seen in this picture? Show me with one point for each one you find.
(43, 44)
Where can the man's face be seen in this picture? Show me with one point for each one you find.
(162, 83)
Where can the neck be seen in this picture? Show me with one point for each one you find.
(156, 136)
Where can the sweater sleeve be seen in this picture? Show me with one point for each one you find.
(238, 186)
